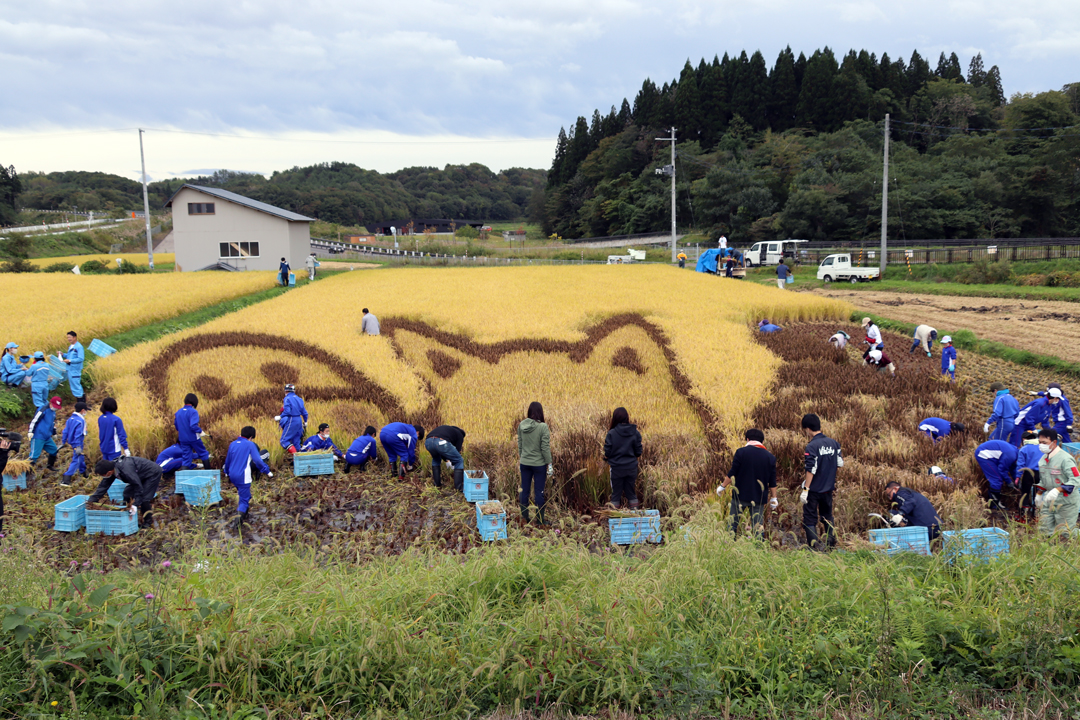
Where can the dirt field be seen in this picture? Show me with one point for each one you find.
(1047, 327)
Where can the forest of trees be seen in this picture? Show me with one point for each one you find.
(335, 192)
(795, 151)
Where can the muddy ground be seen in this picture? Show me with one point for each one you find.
(1042, 326)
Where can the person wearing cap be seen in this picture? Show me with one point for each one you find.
(171, 459)
(911, 508)
(363, 449)
(444, 443)
(878, 359)
(997, 459)
(948, 358)
(873, 334)
(1003, 418)
(1027, 472)
(938, 474)
(74, 357)
(112, 438)
(767, 327)
(189, 433)
(1058, 498)
(1035, 413)
(142, 477)
(839, 339)
(41, 381)
(321, 441)
(681, 257)
(74, 434)
(12, 372)
(241, 460)
(925, 336)
(42, 429)
(1059, 411)
(292, 420)
(937, 428)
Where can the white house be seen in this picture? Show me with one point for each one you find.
(217, 229)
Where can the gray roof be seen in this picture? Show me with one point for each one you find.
(246, 202)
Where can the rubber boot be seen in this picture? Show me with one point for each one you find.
(146, 517)
(635, 504)
(436, 475)
(65, 481)
(525, 514)
(459, 480)
(393, 469)
(52, 464)
(540, 519)
(291, 449)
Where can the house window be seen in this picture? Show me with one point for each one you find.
(239, 250)
(200, 208)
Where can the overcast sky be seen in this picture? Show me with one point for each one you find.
(421, 82)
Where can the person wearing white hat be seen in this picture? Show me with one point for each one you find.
(873, 334)
(1059, 411)
(880, 360)
(12, 372)
(948, 358)
(939, 474)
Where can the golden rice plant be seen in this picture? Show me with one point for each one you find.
(108, 259)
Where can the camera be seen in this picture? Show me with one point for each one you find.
(14, 437)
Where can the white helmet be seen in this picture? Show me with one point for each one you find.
(875, 355)
(935, 470)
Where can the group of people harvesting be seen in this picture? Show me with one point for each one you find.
(875, 355)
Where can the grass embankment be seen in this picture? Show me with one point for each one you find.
(693, 628)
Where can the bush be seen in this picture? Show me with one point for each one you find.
(984, 272)
(1033, 280)
(18, 266)
(130, 268)
(93, 267)
(59, 267)
(1061, 278)
(468, 231)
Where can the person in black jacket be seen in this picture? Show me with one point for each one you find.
(142, 477)
(753, 472)
(911, 508)
(5, 446)
(821, 461)
(444, 443)
(622, 448)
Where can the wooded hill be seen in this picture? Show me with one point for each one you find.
(795, 151)
(334, 192)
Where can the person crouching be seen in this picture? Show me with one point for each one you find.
(142, 477)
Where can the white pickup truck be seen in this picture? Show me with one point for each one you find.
(838, 267)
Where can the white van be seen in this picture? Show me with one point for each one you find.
(769, 253)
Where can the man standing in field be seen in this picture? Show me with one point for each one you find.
(782, 272)
(74, 357)
(242, 455)
(370, 324)
(283, 272)
(753, 472)
(925, 336)
(1059, 478)
(310, 263)
(821, 461)
(948, 358)
(1003, 418)
(75, 435)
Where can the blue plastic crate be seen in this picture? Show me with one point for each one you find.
(476, 488)
(313, 464)
(904, 539)
(71, 514)
(644, 528)
(116, 491)
(491, 527)
(101, 349)
(55, 372)
(980, 545)
(1073, 449)
(111, 522)
(199, 487)
(13, 482)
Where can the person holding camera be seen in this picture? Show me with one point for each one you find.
(10, 442)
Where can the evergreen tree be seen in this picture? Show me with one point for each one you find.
(688, 104)
(10, 188)
(626, 115)
(993, 81)
(976, 74)
(949, 68)
(783, 92)
(713, 103)
(918, 72)
(557, 174)
(756, 92)
(868, 68)
(645, 103)
(664, 112)
(852, 91)
(577, 149)
(596, 129)
(800, 70)
(817, 100)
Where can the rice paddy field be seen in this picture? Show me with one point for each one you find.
(357, 595)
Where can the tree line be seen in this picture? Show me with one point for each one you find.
(795, 151)
(335, 192)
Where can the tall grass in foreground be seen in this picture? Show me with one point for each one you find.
(701, 625)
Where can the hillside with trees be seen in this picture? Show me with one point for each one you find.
(335, 192)
(795, 150)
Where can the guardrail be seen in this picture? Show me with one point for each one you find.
(45, 228)
(348, 251)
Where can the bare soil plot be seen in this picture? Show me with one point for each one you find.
(1047, 327)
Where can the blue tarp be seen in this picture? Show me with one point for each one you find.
(707, 261)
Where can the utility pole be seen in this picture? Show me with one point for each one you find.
(670, 170)
(885, 202)
(146, 204)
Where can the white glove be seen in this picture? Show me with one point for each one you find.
(269, 474)
(1039, 499)
(551, 470)
(986, 427)
(277, 418)
(897, 519)
(720, 490)
(839, 461)
(1051, 497)
(127, 453)
(774, 503)
(804, 496)
(133, 511)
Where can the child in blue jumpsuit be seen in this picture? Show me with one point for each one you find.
(1003, 417)
(171, 459)
(948, 358)
(997, 459)
(322, 441)
(362, 449)
(1027, 471)
(42, 429)
(292, 419)
(399, 440)
(937, 428)
(189, 432)
(242, 454)
(112, 439)
(1036, 412)
(75, 435)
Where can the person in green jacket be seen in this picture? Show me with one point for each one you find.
(534, 450)
(1058, 498)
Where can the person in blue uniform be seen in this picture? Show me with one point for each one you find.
(1059, 411)
(937, 428)
(767, 327)
(74, 357)
(948, 358)
(75, 435)
(997, 459)
(112, 439)
(911, 508)
(1027, 473)
(1035, 413)
(292, 420)
(363, 449)
(400, 441)
(1003, 418)
(171, 459)
(242, 458)
(190, 434)
(42, 429)
(12, 372)
(41, 381)
(322, 441)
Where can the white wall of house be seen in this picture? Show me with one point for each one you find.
(198, 237)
